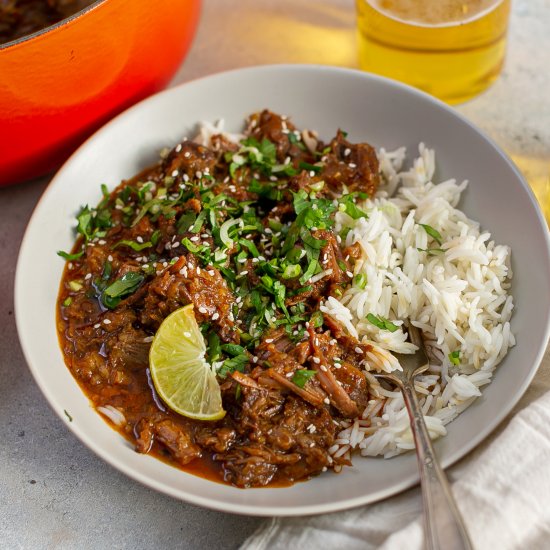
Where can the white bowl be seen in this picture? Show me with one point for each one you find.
(382, 112)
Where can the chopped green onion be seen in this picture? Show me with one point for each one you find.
(360, 280)
(214, 348)
(75, 286)
(308, 166)
(224, 232)
(68, 301)
(454, 357)
(291, 271)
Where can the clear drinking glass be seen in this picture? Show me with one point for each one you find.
(453, 49)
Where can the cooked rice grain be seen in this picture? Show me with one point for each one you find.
(456, 292)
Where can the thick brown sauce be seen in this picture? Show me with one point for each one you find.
(275, 431)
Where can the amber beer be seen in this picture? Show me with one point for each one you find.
(452, 49)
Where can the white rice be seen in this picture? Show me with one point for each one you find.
(458, 298)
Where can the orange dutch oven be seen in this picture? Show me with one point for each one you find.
(58, 85)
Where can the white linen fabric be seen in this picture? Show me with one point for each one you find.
(502, 490)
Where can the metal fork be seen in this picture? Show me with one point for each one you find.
(443, 523)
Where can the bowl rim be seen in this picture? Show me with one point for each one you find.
(291, 510)
(46, 30)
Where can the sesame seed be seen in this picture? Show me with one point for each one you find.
(358, 350)
(139, 239)
(312, 173)
(106, 321)
(198, 270)
(347, 151)
(164, 264)
(254, 359)
(323, 368)
(349, 273)
(187, 154)
(338, 239)
(110, 258)
(178, 147)
(185, 177)
(324, 469)
(102, 242)
(216, 316)
(326, 400)
(97, 325)
(316, 360)
(238, 300)
(289, 374)
(88, 276)
(195, 238)
(211, 272)
(268, 340)
(352, 165)
(205, 235)
(242, 273)
(175, 173)
(187, 334)
(203, 309)
(307, 324)
(168, 246)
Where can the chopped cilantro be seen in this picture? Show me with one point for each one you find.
(436, 235)
(381, 322)
(121, 288)
(301, 376)
(231, 365)
(133, 245)
(432, 251)
(70, 257)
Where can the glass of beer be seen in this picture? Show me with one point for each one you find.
(452, 49)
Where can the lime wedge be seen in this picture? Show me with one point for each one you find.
(182, 377)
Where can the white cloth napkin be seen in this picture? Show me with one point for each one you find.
(502, 490)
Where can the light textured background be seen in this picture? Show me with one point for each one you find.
(54, 493)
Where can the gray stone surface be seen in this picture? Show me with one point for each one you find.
(56, 494)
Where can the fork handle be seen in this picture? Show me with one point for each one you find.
(444, 526)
